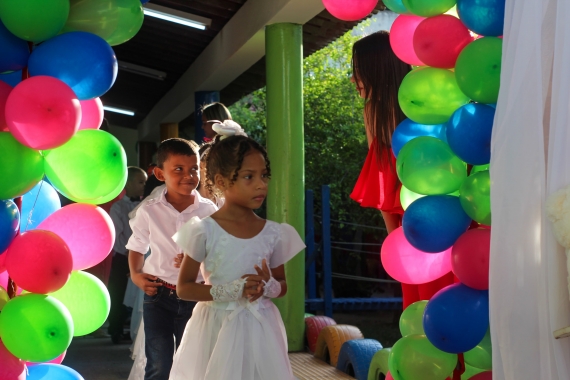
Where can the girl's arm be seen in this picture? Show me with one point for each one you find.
(264, 274)
(187, 288)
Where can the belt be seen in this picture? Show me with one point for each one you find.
(166, 284)
(242, 304)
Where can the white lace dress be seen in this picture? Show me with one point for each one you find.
(234, 340)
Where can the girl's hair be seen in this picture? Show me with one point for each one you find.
(375, 65)
(225, 157)
(216, 111)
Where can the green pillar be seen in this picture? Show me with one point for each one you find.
(286, 149)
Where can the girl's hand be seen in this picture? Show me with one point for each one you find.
(251, 286)
(264, 274)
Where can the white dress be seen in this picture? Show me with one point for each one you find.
(234, 340)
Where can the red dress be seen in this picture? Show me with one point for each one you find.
(378, 187)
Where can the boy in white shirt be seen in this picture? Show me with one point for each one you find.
(118, 278)
(156, 221)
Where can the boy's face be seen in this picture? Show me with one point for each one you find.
(180, 173)
(135, 185)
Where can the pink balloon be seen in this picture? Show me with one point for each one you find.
(4, 283)
(389, 376)
(11, 368)
(91, 114)
(438, 40)
(410, 265)
(470, 258)
(402, 38)
(350, 10)
(57, 360)
(39, 261)
(43, 112)
(88, 231)
(5, 90)
(487, 375)
(2, 262)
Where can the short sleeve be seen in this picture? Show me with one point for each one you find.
(288, 245)
(191, 237)
(140, 238)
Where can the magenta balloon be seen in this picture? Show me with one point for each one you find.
(39, 261)
(91, 114)
(402, 38)
(11, 368)
(4, 282)
(487, 375)
(88, 231)
(5, 90)
(389, 376)
(43, 112)
(350, 10)
(438, 40)
(57, 360)
(410, 265)
(470, 258)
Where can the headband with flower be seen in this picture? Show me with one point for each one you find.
(227, 128)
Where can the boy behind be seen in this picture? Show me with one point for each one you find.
(156, 221)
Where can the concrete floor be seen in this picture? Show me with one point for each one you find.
(99, 359)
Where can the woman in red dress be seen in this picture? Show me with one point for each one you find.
(377, 74)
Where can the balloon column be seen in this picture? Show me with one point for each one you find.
(50, 114)
(443, 152)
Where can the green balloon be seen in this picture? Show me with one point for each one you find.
(36, 327)
(116, 21)
(34, 20)
(412, 319)
(429, 95)
(413, 357)
(107, 198)
(481, 357)
(478, 69)
(479, 168)
(475, 197)
(20, 167)
(470, 372)
(428, 8)
(407, 196)
(426, 165)
(396, 6)
(87, 300)
(88, 167)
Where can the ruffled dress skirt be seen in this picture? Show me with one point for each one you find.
(233, 341)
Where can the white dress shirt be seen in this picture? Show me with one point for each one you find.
(120, 215)
(154, 224)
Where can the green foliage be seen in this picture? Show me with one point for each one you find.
(335, 139)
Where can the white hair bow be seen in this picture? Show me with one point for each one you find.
(228, 128)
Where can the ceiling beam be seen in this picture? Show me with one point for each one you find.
(239, 45)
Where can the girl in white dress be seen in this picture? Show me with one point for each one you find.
(235, 331)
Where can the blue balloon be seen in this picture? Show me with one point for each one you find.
(457, 318)
(144, 1)
(49, 371)
(408, 130)
(9, 223)
(84, 61)
(484, 17)
(38, 204)
(469, 133)
(433, 223)
(12, 78)
(15, 51)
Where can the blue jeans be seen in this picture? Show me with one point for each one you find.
(165, 317)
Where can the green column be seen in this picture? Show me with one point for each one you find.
(286, 149)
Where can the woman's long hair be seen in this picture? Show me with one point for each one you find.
(380, 72)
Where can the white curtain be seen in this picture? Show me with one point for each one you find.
(530, 160)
